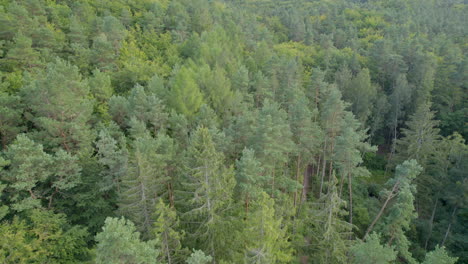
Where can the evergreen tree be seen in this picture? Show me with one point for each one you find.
(185, 95)
(328, 233)
(265, 239)
(372, 252)
(210, 185)
(11, 111)
(166, 229)
(439, 256)
(119, 242)
(198, 257)
(146, 179)
(63, 120)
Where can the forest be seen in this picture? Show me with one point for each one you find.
(234, 131)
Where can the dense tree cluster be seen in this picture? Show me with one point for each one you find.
(235, 131)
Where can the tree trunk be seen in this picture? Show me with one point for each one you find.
(350, 189)
(390, 196)
(431, 225)
(449, 226)
(297, 178)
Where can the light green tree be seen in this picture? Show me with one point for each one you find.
(119, 242)
(439, 256)
(372, 252)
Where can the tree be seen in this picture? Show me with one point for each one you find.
(146, 179)
(348, 155)
(42, 237)
(401, 213)
(328, 233)
(420, 137)
(372, 252)
(166, 230)
(248, 174)
(198, 257)
(62, 121)
(185, 96)
(439, 256)
(119, 242)
(361, 93)
(210, 185)
(28, 166)
(265, 238)
(22, 55)
(35, 176)
(11, 110)
(114, 160)
(272, 142)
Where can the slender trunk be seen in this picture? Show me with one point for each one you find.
(168, 254)
(297, 178)
(390, 196)
(431, 225)
(273, 185)
(449, 226)
(324, 166)
(246, 205)
(317, 169)
(171, 194)
(341, 184)
(350, 189)
(330, 170)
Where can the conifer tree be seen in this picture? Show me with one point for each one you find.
(439, 256)
(248, 174)
(11, 110)
(210, 186)
(166, 229)
(146, 179)
(272, 142)
(119, 242)
(185, 95)
(265, 238)
(372, 252)
(328, 232)
(62, 121)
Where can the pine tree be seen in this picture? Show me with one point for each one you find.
(248, 174)
(272, 142)
(265, 238)
(439, 256)
(328, 233)
(420, 137)
(28, 166)
(185, 95)
(22, 55)
(146, 179)
(11, 110)
(350, 145)
(114, 160)
(372, 252)
(399, 216)
(119, 242)
(210, 186)
(166, 229)
(62, 121)
(198, 257)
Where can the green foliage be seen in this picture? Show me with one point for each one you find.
(198, 257)
(439, 256)
(42, 237)
(119, 242)
(161, 110)
(372, 252)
